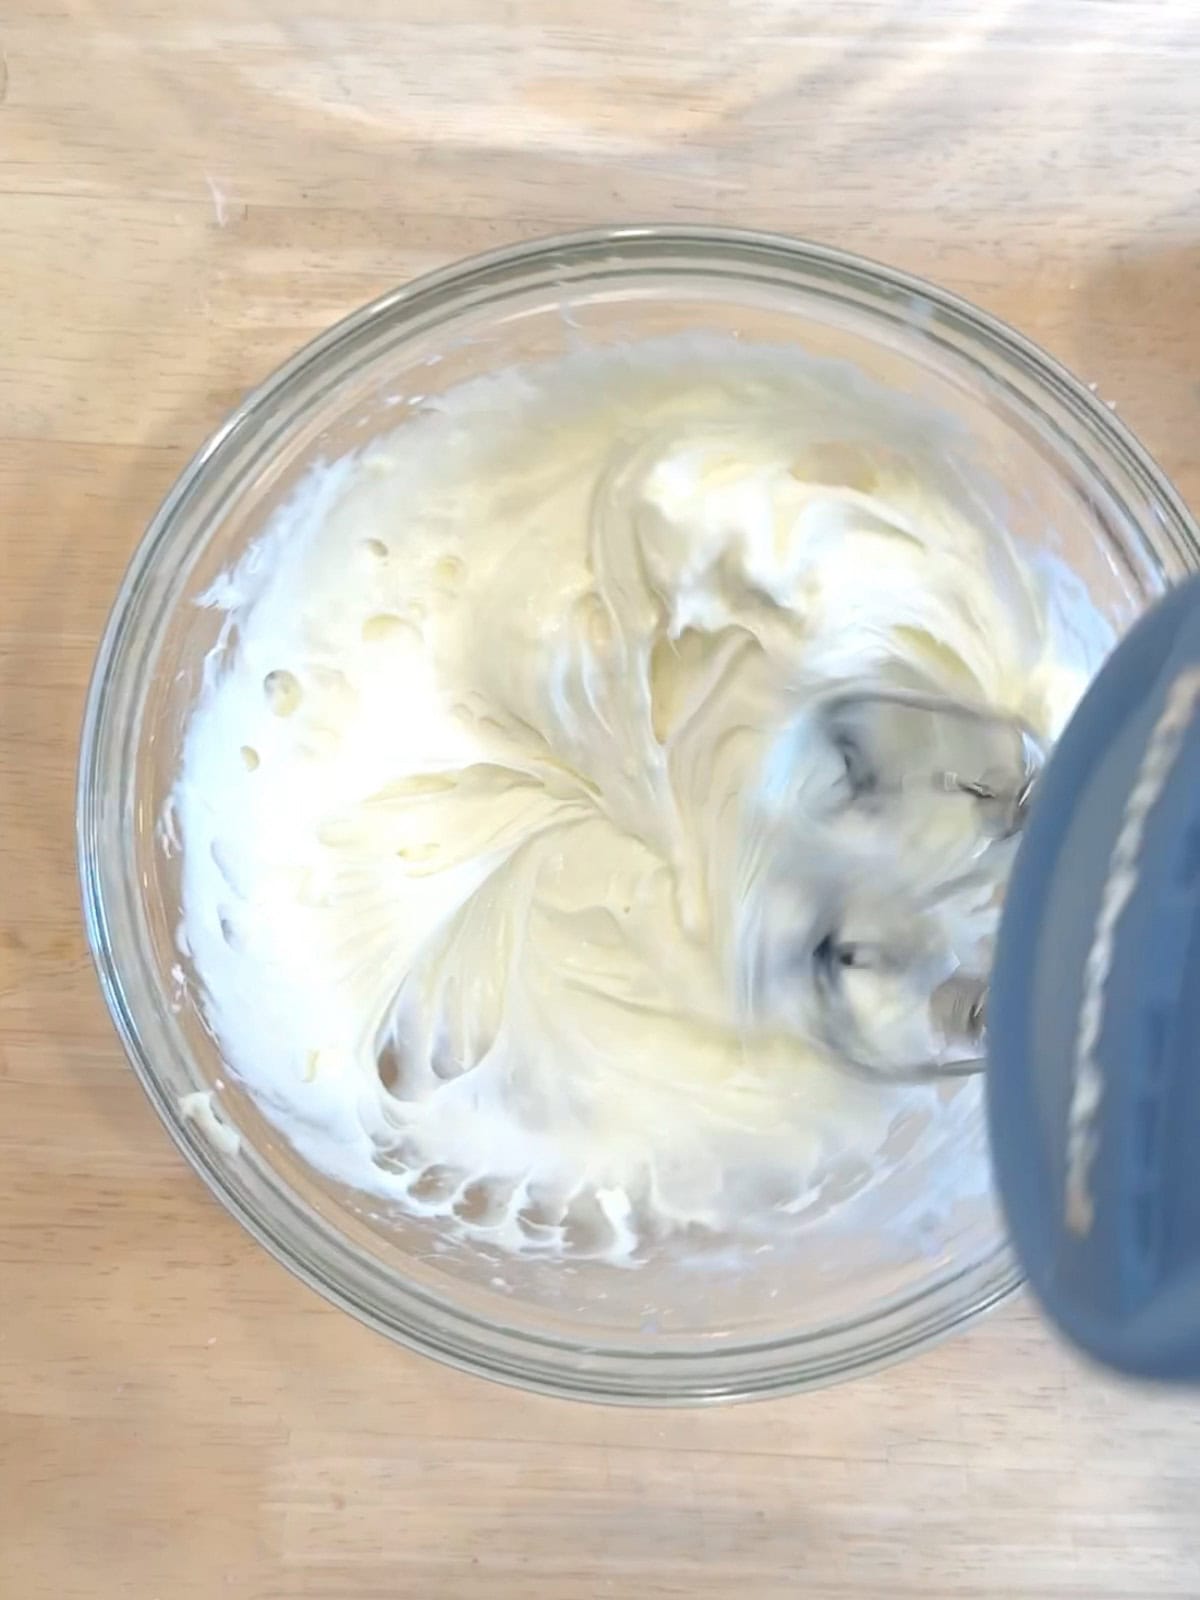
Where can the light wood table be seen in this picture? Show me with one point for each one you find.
(188, 191)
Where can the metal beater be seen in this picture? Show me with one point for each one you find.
(897, 739)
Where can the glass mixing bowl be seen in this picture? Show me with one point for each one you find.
(841, 1298)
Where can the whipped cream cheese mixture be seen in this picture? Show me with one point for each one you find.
(512, 831)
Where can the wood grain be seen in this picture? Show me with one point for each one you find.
(186, 192)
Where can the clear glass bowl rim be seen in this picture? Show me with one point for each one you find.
(414, 1318)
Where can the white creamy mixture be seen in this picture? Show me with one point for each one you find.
(509, 824)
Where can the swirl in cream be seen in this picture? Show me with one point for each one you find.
(508, 828)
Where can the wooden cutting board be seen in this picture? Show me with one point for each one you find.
(186, 193)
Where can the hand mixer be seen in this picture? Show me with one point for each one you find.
(1092, 1047)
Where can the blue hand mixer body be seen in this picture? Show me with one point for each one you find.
(1093, 1033)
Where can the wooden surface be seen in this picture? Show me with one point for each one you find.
(186, 193)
